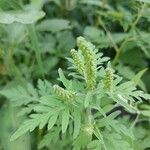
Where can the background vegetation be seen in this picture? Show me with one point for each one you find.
(36, 37)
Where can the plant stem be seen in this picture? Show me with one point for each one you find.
(100, 22)
(88, 116)
(132, 27)
(135, 121)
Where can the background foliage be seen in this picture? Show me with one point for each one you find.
(36, 37)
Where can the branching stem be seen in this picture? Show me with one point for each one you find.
(131, 29)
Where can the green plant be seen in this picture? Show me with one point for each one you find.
(32, 46)
(83, 112)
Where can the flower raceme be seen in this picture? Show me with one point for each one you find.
(64, 94)
(90, 62)
(108, 79)
(78, 62)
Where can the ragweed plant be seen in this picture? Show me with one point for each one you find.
(82, 113)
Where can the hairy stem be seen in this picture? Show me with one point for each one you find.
(88, 116)
(135, 121)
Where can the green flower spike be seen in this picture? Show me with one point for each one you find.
(78, 62)
(108, 79)
(90, 61)
(64, 94)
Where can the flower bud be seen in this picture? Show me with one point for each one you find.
(108, 79)
(64, 94)
(78, 62)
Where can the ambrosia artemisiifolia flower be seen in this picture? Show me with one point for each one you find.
(108, 79)
(78, 62)
(90, 62)
(64, 94)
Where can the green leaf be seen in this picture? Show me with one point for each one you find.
(98, 36)
(19, 95)
(115, 141)
(9, 122)
(28, 125)
(54, 25)
(52, 120)
(63, 79)
(51, 101)
(26, 17)
(44, 121)
(77, 122)
(94, 145)
(65, 119)
(144, 1)
(51, 136)
(145, 106)
(44, 87)
(46, 140)
(123, 102)
(136, 79)
(95, 3)
(32, 91)
(42, 109)
(42, 118)
(99, 136)
(145, 113)
(128, 73)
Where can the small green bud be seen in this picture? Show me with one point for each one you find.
(108, 80)
(64, 94)
(78, 62)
